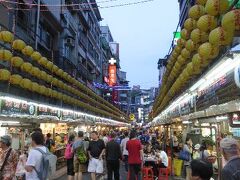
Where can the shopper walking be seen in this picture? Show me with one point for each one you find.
(135, 156)
(34, 161)
(95, 151)
(80, 156)
(8, 159)
(124, 150)
(113, 156)
(187, 149)
(69, 157)
(230, 149)
(50, 143)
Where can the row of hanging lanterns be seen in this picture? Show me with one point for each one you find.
(199, 44)
(18, 62)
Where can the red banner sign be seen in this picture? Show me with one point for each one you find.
(112, 72)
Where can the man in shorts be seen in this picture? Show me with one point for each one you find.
(78, 168)
(96, 150)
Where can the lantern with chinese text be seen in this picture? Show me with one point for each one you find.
(43, 61)
(185, 53)
(201, 2)
(205, 50)
(185, 34)
(198, 36)
(219, 36)
(26, 84)
(231, 21)
(207, 23)
(216, 7)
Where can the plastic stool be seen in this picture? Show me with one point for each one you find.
(163, 173)
(147, 173)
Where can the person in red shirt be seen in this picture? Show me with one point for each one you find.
(135, 156)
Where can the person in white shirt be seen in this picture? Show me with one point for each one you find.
(35, 157)
(124, 150)
(162, 157)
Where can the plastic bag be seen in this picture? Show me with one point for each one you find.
(177, 165)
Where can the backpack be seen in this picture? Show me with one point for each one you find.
(68, 154)
(81, 154)
(48, 165)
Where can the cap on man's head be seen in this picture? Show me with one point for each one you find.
(6, 139)
(229, 144)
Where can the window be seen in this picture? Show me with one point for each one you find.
(45, 37)
(22, 17)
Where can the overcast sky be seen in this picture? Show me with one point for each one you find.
(145, 32)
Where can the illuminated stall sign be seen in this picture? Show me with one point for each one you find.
(67, 115)
(46, 111)
(9, 107)
(112, 75)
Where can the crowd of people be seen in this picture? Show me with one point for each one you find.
(102, 153)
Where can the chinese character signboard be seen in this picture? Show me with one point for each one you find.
(112, 73)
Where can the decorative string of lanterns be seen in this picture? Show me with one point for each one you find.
(27, 67)
(199, 44)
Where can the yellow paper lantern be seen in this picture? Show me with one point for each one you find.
(35, 72)
(54, 94)
(181, 60)
(49, 65)
(201, 2)
(49, 78)
(65, 75)
(190, 24)
(214, 52)
(216, 7)
(59, 96)
(42, 89)
(18, 44)
(55, 68)
(185, 74)
(231, 21)
(219, 36)
(28, 50)
(6, 36)
(59, 72)
(190, 68)
(68, 77)
(15, 79)
(196, 11)
(191, 46)
(26, 84)
(60, 84)
(35, 87)
(205, 50)
(36, 56)
(4, 75)
(16, 61)
(43, 75)
(198, 36)
(185, 34)
(5, 55)
(181, 42)
(43, 61)
(54, 81)
(199, 61)
(207, 23)
(46, 92)
(26, 67)
(185, 53)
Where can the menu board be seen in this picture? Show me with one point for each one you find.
(9, 107)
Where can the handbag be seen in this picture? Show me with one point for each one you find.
(4, 163)
(184, 155)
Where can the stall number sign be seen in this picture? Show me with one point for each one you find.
(237, 76)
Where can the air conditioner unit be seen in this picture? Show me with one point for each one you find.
(70, 42)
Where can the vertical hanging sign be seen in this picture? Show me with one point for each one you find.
(112, 72)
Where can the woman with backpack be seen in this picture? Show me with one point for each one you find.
(69, 157)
